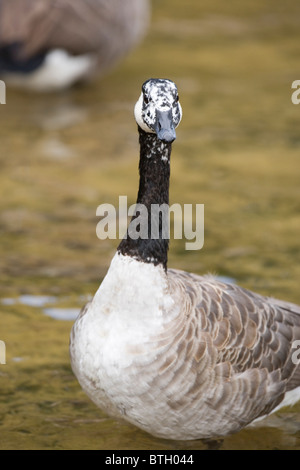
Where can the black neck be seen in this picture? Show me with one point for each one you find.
(154, 168)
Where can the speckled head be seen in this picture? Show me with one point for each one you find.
(158, 109)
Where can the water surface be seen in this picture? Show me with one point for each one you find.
(62, 155)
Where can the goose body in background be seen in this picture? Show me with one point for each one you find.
(179, 355)
(52, 44)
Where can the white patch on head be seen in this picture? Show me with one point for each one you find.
(138, 110)
(157, 94)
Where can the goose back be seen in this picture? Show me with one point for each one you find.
(105, 27)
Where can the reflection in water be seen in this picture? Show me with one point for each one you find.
(69, 314)
(35, 300)
(61, 116)
(54, 148)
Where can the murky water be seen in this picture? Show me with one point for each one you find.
(237, 152)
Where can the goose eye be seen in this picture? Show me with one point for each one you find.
(146, 99)
(177, 98)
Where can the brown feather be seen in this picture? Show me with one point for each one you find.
(107, 28)
(244, 342)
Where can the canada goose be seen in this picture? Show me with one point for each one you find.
(179, 355)
(52, 44)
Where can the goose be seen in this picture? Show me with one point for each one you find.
(50, 45)
(179, 355)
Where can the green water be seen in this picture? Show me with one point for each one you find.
(237, 152)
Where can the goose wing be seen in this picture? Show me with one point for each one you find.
(240, 349)
(78, 26)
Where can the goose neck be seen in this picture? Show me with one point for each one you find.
(152, 209)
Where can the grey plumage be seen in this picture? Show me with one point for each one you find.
(238, 344)
(106, 28)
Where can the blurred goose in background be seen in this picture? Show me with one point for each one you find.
(48, 45)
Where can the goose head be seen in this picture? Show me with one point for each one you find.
(158, 109)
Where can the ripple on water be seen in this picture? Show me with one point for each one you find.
(62, 313)
(41, 301)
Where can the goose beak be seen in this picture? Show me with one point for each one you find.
(164, 126)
